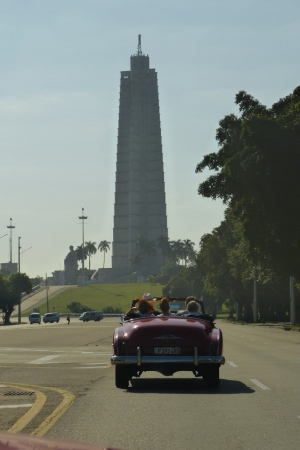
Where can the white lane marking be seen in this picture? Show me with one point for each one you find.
(259, 384)
(92, 367)
(24, 405)
(232, 364)
(97, 364)
(43, 360)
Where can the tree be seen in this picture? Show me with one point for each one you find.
(76, 307)
(257, 175)
(81, 254)
(188, 250)
(177, 250)
(103, 247)
(136, 260)
(164, 245)
(91, 249)
(11, 290)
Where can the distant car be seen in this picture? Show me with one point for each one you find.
(91, 315)
(34, 318)
(51, 317)
(168, 344)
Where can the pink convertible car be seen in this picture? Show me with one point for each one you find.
(168, 344)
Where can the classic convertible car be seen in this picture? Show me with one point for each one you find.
(168, 344)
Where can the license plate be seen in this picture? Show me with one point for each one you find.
(166, 350)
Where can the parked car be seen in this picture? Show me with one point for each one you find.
(51, 317)
(34, 318)
(91, 315)
(168, 344)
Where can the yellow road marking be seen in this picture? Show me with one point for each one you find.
(21, 423)
(24, 420)
(67, 401)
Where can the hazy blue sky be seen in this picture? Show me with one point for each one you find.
(60, 66)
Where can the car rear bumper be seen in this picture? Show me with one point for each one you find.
(140, 359)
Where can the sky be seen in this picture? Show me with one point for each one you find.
(60, 63)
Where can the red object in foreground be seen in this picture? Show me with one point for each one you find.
(10, 441)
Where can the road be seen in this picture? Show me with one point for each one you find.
(67, 367)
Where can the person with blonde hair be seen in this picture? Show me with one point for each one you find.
(189, 299)
(164, 306)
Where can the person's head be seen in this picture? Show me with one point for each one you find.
(189, 299)
(164, 305)
(193, 307)
(144, 307)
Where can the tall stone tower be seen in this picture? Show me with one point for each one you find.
(140, 203)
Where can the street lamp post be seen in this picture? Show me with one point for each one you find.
(47, 297)
(82, 217)
(19, 248)
(10, 227)
(19, 270)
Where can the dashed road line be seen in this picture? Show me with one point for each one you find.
(259, 384)
(232, 364)
(43, 360)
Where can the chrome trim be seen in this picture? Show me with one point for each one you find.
(196, 356)
(139, 357)
(167, 337)
(156, 359)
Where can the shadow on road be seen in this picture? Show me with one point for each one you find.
(186, 386)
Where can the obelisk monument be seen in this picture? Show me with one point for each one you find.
(140, 201)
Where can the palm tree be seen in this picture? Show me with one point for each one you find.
(79, 253)
(91, 249)
(164, 245)
(103, 247)
(176, 250)
(136, 260)
(188, 250)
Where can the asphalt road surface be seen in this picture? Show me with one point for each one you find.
(56, 380)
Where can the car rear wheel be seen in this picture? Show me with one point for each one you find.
(121, 377)
(212, 378)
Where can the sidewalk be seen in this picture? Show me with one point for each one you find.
(40, 297)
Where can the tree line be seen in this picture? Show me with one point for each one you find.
(256, 174)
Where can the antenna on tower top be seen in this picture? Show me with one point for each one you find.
(139, 47)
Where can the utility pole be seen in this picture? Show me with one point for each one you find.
(255, 301)
(47, 294)
(19, 248)
(19, 270)
(10, 227)
(292, 302)
(82, 217)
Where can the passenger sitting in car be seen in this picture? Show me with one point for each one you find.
(164, 306)
(187, 301)
(143, 309)
(193, 308)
